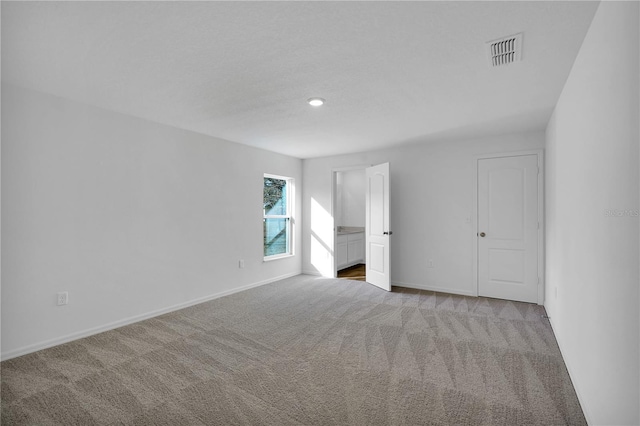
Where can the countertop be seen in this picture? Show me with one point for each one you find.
(346, 230)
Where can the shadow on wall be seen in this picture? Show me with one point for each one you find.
(531, 121)
(321, 239)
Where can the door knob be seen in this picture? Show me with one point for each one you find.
(482, 234)
(387, 233)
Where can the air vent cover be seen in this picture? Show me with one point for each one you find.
(505, 50)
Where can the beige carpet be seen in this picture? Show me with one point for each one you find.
(305, 351)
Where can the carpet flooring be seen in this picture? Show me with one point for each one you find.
(305, 351)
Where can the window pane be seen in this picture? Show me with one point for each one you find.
(275, 196)
(276, 236)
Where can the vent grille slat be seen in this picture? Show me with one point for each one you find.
(505, 50)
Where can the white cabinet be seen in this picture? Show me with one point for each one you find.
(350, 250)
(355, 248)
(342, 255)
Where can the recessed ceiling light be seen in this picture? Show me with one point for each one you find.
(315, 101)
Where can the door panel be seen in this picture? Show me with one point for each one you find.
(506, 265)
(508, 218)
(376, 203)
(506, 204)
(377, 227)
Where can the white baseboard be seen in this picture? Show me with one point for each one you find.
(136, 318)
(435, 288)
(584, 407)
(314, 273)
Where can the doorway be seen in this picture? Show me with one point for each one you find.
(349, 218)
(368, 244)
(509, 237)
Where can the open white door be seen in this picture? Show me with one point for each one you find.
(508, 228)
(377, 226)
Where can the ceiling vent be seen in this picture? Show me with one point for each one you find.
(505, 50)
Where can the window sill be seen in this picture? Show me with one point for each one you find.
(276, 257)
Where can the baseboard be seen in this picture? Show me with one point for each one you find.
(434, 288)
(136, 318)
(587, 416)
(314, 273)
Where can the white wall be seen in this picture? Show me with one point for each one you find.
(129, 216)
(351, 196)
(592, 258)
(337, 210)
(432, 195)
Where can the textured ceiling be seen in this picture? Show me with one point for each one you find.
(391, 72)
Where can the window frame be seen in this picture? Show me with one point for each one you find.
(290, 204)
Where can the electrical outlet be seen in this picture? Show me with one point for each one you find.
(63, 298)
(241, 263)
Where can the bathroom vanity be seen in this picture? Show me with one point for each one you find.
(350, 246)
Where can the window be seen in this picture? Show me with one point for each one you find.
(277, 206)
